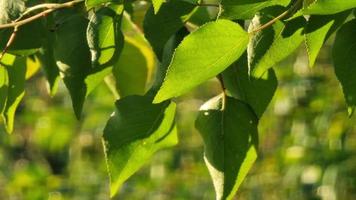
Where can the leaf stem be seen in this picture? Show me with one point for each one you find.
(291, 10)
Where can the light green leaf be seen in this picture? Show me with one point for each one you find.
(170, 18)
(4, 87)
(131, 70)
(271, 45)
(246, 9)
(134, 133)
(318, 30)
(327, 7)
(344, 52)
(134, 69)
(157, 4)
(255, 91)
(16, 69)
(229, 131)
(168, 52)
(202, 55)
(105, 38)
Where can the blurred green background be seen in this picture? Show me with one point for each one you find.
(307, 144)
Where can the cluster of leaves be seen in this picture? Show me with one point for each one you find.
(97, 41)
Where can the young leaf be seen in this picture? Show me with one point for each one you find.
(272, 45)
(170, 18)
(255, 91)
(344, 52)
(134, 133)
(105, 38)
(229, 131)
(246, 9)
(202, 55)
(318, 30)
(16, 69)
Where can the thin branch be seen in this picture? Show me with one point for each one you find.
(19, 22)
(9, 42)
(291, 10)
(50, 8)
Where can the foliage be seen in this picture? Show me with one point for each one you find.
(89, 42)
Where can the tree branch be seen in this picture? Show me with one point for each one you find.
(50, 8)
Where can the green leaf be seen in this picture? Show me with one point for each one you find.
(168, 53)
(255, 91)
(246, 9)
(318, 30)
(271, 45)
(105, 38)
(47, 60)
(202, 55)
(157, 4)
(229, 131)
(327, 7)
(94, 3)
(4, 87)
(16, 69)
(73, 60)
(135, 66)
(344, 52)
(131, 70)
(170, 18)
(134, 133)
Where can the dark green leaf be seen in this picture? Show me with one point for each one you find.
(170, 18)
(74, 60)
(47, 60)
(27, 41)
(134, 133)
(202, 55)
(344, 52)
(255, 91)
(229, 131)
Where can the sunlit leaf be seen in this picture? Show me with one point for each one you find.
(134, 133)
(202, 55)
